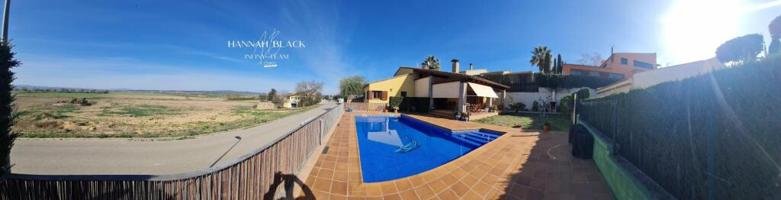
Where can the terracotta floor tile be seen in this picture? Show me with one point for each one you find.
(470, 179)
(338, 197)
(409, 194)
(373, 190)
(323, 185)
(417, 180)
(326, 173)
(509, 167)
(472, 195)
(321, 195)
(425, 192)
(356, 189)
(338, 187)
(389, 188)
(340, 176)
(447, 194)
(392, 197)
(438, 186)
(459, 188)
(403, 184)
(448, 178)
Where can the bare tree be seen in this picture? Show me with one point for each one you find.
(310, 92)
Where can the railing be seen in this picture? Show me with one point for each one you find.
(255, 175)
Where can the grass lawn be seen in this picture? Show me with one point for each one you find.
(528, 121)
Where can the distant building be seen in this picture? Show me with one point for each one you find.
(292, 101)
(618, 66)
(647, 79)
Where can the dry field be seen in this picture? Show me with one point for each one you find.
(53, 114)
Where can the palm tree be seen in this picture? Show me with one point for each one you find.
(541, 57)
(775, 35)
(431, 63)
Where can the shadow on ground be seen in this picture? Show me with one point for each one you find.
(551, 172)
(289, 182)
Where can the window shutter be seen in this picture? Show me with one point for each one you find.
(384, 95)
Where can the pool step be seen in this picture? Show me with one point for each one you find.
(463, 138)
(487, 136)
(478, 137)
(474, 138)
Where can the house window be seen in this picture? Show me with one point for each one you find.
(377, 94)
(624, 61)
(616, 76)
(641, 64)
(403, 94)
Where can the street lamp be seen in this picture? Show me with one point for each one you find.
(6, 11)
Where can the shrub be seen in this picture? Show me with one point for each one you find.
(583, 94)
(744, 48)
(309, 100)
(566, 104)
(395, 102)
(535, 106)
(517, 107)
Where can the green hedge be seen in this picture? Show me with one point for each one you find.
(714, 136)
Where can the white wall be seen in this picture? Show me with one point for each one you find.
(674, 73)
(447, 90)
(528, 98)
(421, 87)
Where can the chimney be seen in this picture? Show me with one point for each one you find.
(455, 65)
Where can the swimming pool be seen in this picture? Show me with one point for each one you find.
(394, 147)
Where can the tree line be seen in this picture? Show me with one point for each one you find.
(62, 90)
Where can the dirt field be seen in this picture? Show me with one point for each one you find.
(134, 114)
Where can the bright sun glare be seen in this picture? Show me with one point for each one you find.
(693, 29)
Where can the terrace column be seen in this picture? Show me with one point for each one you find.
(504, 99)
(462, 97)
(430, 93)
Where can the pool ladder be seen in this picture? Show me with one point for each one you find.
(407, 147)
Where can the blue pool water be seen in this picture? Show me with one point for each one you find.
(397, 147)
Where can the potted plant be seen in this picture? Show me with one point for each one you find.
(545, 127)
(395, 103)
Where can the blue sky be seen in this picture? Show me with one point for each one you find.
(182, 45)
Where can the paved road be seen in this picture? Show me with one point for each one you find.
(124, 156)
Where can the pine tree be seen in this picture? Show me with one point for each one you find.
(271, 94)
(7, 116)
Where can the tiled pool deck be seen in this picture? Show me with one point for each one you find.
(517, 165)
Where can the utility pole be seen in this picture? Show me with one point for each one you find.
(6, 11)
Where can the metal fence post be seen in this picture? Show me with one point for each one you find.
(322, 126)
(574, 108)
